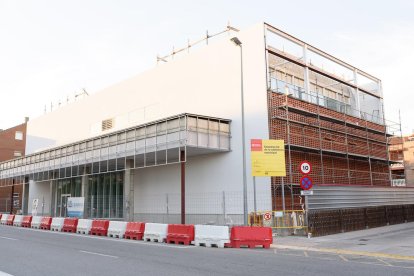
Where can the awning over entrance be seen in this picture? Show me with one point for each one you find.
(156, 143)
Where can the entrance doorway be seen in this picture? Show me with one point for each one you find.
(62, 209)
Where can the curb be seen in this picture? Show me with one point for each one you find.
(345, 252)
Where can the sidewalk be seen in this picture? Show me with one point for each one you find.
(394, 241)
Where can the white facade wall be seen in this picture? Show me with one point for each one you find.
(205, 82)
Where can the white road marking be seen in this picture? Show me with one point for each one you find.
(7, 238)
(109, 239)
(343, 258)
(388, 264)
(4, 274)
(99, 254)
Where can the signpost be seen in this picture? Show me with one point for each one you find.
(306, 183)
(268, 159)
(267, 219)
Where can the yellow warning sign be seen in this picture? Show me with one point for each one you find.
(268, 157)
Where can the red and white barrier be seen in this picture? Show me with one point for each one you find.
(180, 233)
(135, 230)
(10, 220)
(84, 226)
(3, 219)
(155, 232)
(70, 225)
(251, 236)
(211, 235)
(46, 223)
(36, 221)
(18, 220)
(57, 224)
(117, 229)
(27, 221)
(99, 227)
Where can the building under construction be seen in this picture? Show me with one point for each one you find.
(169, 145)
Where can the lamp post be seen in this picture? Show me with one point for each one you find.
(237, 42)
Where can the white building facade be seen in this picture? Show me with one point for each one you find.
(166, 145)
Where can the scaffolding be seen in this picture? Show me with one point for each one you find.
(334, 122)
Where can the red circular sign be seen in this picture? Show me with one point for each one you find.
(305, 167)
(306, 182)
(267, 216)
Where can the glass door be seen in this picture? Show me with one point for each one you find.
(63, 204)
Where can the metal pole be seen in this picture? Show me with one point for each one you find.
(283, 194)
(254, 194)
(243, 140)
(12, 198)
(43, 205)
(182, 159)
(237, 42)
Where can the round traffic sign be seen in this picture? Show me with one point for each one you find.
(305, 167)
(306, 182)
(267, 216)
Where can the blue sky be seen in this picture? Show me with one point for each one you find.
(52, 49)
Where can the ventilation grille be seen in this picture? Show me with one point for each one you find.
(107, 124)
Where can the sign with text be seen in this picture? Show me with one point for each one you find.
(268, 157)
(35, 204)
(306, 192)
(75, 206)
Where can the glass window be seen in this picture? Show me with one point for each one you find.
(18, 135)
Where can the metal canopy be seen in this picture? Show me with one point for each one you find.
(153, 144)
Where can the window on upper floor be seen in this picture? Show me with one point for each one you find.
(18, 135)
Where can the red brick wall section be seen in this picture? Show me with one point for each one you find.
(8, 143)
(334, 168)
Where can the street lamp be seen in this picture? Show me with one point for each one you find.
(237, 42)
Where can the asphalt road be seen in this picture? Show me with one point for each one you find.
(37, 252)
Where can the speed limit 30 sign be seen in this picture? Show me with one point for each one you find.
(305, 167)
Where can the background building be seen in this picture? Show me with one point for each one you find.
(402, 152)
(167, 145)
(12, 145)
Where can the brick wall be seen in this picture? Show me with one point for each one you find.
(346, 145)
(9, 144)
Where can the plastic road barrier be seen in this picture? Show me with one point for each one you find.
(180, 233)
(155, 232)
(117, 229)
(57, 224)
(84, 226)
(36, 221)
(211, 235)
(251, 236)
(27, 221)
(4, 219)
(99, 227)
(70, 224)
(134, 230)
(46, 223)
(18, 220)
(10, 220)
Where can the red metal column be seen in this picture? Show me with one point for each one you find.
(182, 159)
